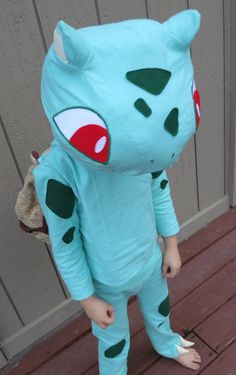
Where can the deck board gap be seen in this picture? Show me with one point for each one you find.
(201, 283)
(204, 341)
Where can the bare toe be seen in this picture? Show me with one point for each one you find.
(195, 366)
(197, 358)
(196, 354)
(191, 359)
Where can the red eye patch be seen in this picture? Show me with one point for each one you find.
(93, 141)
(197, 104)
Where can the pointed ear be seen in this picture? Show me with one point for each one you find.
(184, 26)
(69, 45)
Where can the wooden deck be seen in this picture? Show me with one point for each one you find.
(203, 309)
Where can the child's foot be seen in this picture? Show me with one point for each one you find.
(188, 357)
(191, 359)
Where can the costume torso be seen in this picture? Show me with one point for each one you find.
(116, 216)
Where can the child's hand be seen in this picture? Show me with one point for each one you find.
(98, 310)
(171, 262)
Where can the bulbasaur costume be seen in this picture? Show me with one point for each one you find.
(122, 104)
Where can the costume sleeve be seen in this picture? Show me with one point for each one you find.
(60, 208)
(166, 220)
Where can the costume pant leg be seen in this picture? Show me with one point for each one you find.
(153, 300)
(113, 341)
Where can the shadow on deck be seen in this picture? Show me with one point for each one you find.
(203, 309)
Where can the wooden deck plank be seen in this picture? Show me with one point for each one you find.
(219, 330)
(169, 367)
(74, 360)
(50, 346)
(205, 299)
(192, 274)
(206, 236)
(225, 364)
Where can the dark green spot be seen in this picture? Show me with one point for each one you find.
(163, 184)
(142, 107)
(153, 80)
(164, 307)
(160, 324)
(60, 199)
(156, 174)
(173, 155)
(115, 350)
(69, 235)
(172, 123)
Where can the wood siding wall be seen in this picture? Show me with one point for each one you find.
(33, 299)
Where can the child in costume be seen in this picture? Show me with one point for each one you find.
(122, 104)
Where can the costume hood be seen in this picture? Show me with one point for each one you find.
(122, 96)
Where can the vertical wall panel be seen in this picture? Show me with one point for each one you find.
(9, 321)
(25, 267)
(22, 54)
(230, 108)
(208, 55)
(76, 13)
(3, 360)
(161, 10)
(117, 10)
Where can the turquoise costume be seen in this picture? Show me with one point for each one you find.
(122, 104)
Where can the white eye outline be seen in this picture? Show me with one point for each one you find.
(69, 120)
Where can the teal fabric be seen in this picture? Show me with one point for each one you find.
(151, 289)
